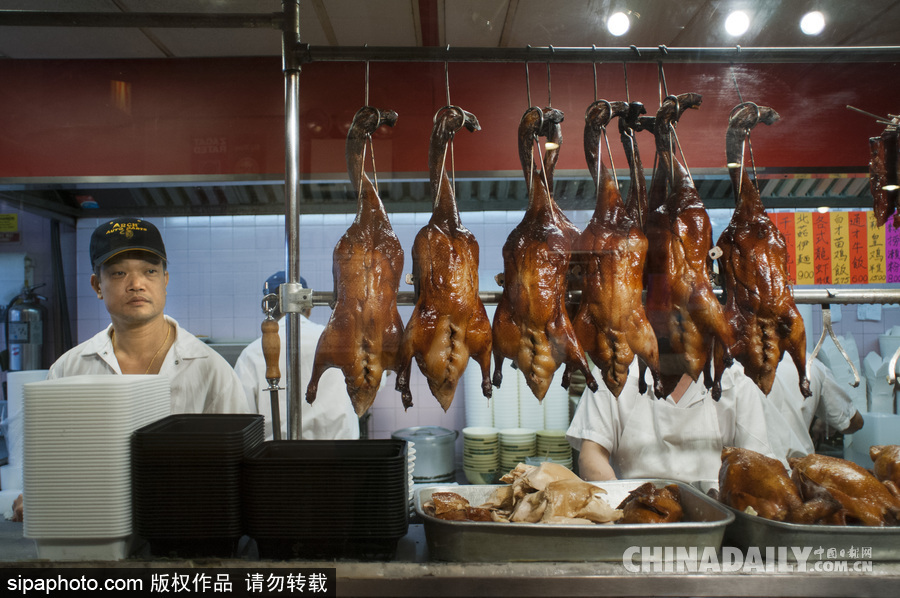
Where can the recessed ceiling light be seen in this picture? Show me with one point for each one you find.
(823, 209)
(812, 23)
(618, 23)
(737, 23)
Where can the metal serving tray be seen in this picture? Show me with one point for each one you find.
(470, 541)
(838, 542)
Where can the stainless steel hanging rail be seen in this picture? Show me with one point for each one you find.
(817, 296)
(734, 54)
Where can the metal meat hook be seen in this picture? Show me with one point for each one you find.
(827, 328)
(892, 368)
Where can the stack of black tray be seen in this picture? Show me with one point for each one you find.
(186, 482)
(327, 498)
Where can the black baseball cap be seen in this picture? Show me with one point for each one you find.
(125, 234)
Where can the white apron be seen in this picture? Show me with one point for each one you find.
(672, 441)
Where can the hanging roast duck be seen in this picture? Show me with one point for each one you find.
(531, 326)
(611, 324)
(759, 304)
(884, 173)
(449, 323)
(363, 335)
(685, 314)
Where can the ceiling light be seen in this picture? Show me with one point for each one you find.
(823, 209)
(618, 23)
(737, 23)
(812, 23)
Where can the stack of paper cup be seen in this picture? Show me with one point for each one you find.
(505, 401)
(478, 406)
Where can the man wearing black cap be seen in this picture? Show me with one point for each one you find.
(128, 258)
(332, 416)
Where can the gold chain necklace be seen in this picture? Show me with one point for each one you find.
(155, 355)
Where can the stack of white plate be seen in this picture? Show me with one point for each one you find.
(77, 465)
(556, 405)
(553, 446)
(481, 454)
(516, 445)
(505, 400)
(478, 406)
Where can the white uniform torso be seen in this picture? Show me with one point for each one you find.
(330, 417)
(201, 380)
(788, 431)
(651, 438)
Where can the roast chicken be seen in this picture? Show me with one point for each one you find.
(531, 326)
(648, 504)
(363, 335)
(750, 480)
(449, 323)
(759, 304)
(688, 320)
(864, 500)
(886, 460)
(884, 174)
(610, 323)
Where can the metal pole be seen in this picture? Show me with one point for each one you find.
(291, 38)
(809, 296)
(730, 55)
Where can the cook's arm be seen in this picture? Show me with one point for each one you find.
(593, 463)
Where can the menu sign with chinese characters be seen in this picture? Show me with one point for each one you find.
(839, 248)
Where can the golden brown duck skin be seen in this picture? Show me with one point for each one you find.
(449, 323)
(759, 303)
(750, 479)
(685, 315)
(610, 323)
(647, 504)
(864, 499)
(531, 326)
(363, 335)
(884, 174)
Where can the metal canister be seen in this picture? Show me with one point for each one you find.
(435, 453)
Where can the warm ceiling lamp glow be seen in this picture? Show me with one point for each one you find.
(812, 23)
(618, 23)
(823, 209)
(737, 23)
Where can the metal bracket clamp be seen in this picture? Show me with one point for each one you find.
(294, 298)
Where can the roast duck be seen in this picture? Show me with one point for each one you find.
(884, 174)
(449, 323)
(531, 326)
(610, 323)
(363, 335)
(688, 320)
(636, 203)
(886, 465)
(864, 499)
(759, 304)
(750, 480)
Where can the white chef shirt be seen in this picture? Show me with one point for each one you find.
(201, 380)
(651, 438)
(789, 414)
(330, 417)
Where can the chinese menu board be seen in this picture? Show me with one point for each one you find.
(839, 247)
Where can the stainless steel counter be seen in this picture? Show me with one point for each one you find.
(411, 574)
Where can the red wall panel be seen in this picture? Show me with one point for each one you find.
(226, 116)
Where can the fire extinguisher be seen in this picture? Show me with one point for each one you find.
(25, 318)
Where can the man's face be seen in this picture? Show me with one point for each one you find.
(133, 289)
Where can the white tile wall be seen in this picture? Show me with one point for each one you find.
(218, 265)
